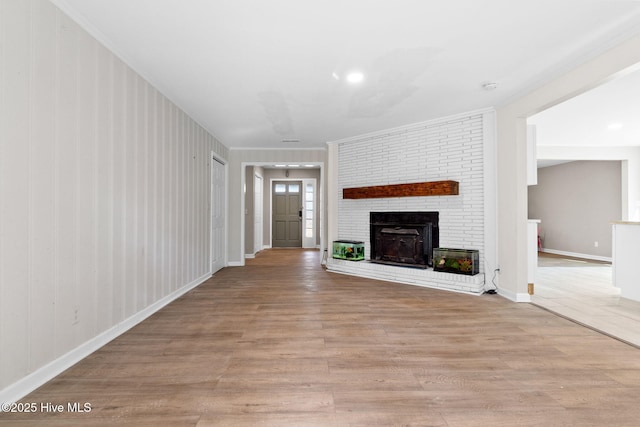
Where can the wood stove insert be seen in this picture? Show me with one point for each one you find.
(404, 238)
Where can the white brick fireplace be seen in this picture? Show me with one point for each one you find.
(459, 148)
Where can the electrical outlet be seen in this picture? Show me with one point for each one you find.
(75, 315)
(595, 244)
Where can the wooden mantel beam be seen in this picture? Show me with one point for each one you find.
(417, 189)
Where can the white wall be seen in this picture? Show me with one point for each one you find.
(104, 196)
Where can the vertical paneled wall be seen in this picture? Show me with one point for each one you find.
(104, 190)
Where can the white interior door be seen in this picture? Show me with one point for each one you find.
(218, 210)
(257, 209)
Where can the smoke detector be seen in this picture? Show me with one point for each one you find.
(490, 86)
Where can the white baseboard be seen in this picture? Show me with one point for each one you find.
(249, 256)
(523, 297)
(235, 263)
(577, 255)
(513, 296)
(26, 385)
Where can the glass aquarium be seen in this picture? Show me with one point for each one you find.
(351, 250)
(459, 261)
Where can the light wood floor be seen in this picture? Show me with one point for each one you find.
(582, 290)
(281, 342)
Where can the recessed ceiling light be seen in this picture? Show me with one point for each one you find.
(309, 166)
(294, 166)
(280, 166)
(615, 126)
(355, 77)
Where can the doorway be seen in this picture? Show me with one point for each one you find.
(287, 214)
(313, 222)
(580, 150)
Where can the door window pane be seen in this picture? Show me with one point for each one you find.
(294, 188)
(280, 188)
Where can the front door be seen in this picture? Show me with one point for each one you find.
(287, 214)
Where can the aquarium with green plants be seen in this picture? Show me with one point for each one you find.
(459, 261)
(351, 250)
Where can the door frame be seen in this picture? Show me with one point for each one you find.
(215, 158)
(271, 181)
(320, 189)
(258, 233)
(317, 207)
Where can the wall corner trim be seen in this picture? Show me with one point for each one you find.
(515, 297)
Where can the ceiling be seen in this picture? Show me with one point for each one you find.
(272, 74)
(608, 115)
